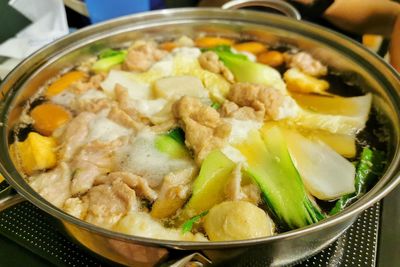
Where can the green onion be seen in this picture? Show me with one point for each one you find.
(368, 169)
(188, 225)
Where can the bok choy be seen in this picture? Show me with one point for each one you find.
(270, 166)
(325, 174)
(245, 70)
(109, 58)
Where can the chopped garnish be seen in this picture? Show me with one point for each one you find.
(188, 225)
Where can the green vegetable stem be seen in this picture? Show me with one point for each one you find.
(109, 58)
(368, 169)
(188, 225)
(246, 70)
(270, 166)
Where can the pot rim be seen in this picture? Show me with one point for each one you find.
(374, 195)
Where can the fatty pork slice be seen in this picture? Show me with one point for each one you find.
(94, 159)
(135, 182)
(267, 101)
(111, 197)
(54, 185)
(108, 203)
(174, 192)
(75, 134)
(204, 129)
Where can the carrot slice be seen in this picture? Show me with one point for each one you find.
(252, 47)
(64, 82)
(168, 46)
(47, 117)
(271, 58)
(205, 42)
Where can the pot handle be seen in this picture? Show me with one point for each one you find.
(280, 5)
(9, 197)
(195, 259)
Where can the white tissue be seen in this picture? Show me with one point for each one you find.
(49, 22)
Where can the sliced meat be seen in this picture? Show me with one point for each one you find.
(108, 203)
(306, 63)
(54, 185)
(92, 106)
(164, 126)
(76, 207)
(135, 182)
(174, 192)
(94, 159)
(83, 86)
(122, 98)
(121, 117)
(271, 102)
(203, 126)
(232, 110)
(75, 134)
(235, 190)
(141, 56)
(210, 61)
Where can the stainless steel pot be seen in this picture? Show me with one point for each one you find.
(355, 62)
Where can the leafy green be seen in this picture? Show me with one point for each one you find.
(209, 185)
(110, 53)
(270, 166)
(188, 225)
(109, 58)
(368, 169)
(177, 134)
(225, 51)
(215, 105)
(245, 70)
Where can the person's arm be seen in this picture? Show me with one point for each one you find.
(394, 49)
(364, 16)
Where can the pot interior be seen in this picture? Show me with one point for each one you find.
(357, 65)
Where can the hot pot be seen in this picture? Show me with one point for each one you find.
(356, 63)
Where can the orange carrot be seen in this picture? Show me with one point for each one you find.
(252, 47)
(47, 117)
(64, 82)
(169, 46)
(271, 58)
(205, 42)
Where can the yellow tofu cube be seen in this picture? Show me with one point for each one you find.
(36, 153)
(297, 81)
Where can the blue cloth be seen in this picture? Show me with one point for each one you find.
(101, 10)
